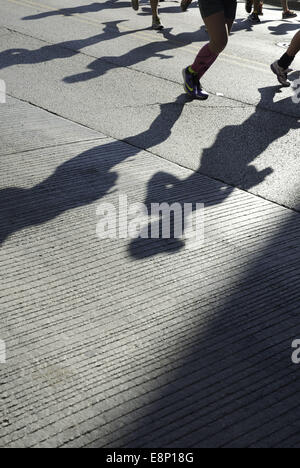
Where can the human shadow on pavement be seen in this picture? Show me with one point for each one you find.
(283, 28)
(92, 8)
(139, 54)
(230, 159)
(243, 24)
(223, 376)
(146, 10)
(170, 42)
(82, 180)
(62, 50)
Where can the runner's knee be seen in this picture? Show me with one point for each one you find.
(219, 44)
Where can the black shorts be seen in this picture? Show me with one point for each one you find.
(210, 7)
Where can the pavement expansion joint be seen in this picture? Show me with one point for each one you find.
(58, 145)
(156, 154)
(133, 69)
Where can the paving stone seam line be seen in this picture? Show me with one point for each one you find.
(109, 305)
(287, 441)
(186, 354)
(159, 188)
(182, 358)
(237, 440)
(231, 412)
(171, 413)
(75, 142)
(210, 215)
(120, 341)
(273, 266)
(278, 431)
(244, 331)
(212, 254)
(265, 339)
(192, 413)
(175, 421)
(277, 402)
(164, 385)
(219, 212)
(275, 269)
(275, 418)
(164, 159)
(155, 370)
(130, 315)
(155, 378)
(132, 68)
(253, 64)
(211, 258)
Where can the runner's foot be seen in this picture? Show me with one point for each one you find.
(289, 14)
(185, 4)
(248, 6)
(201, 93)
(157, 24)
(192, 85)
(254, 18)
(281, 74)
(135, 4)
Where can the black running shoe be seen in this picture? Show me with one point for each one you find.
(185, 4)
(248, 6)
(254, 18)
(135, 4)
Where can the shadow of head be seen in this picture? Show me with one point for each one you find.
(230, 159)
(92, 8)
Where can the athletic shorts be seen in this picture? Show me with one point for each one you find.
(210, 7)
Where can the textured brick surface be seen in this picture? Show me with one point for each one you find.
(121, 343)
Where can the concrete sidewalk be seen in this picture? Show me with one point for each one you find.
(295, 4)
(85, 65)
(119, 343)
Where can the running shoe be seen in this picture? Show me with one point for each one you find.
(157, 24)
(192, 85)
(185, 4)
(289, 14)
(201, 94)
(281, 74)
(254, 18)
(135, 4)
(248, 6)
